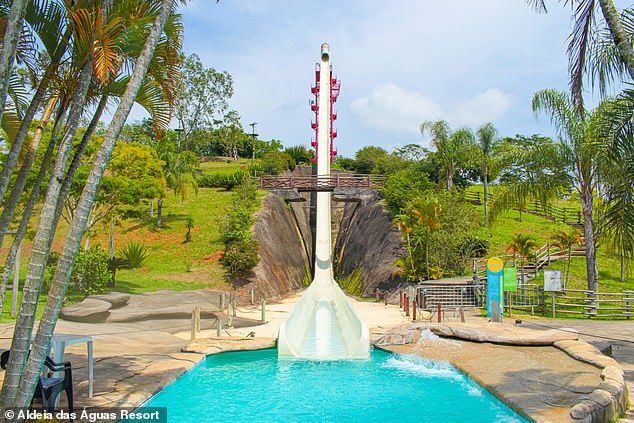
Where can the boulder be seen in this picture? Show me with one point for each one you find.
(90, 310)
(117, 299)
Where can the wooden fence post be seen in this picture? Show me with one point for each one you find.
(554, 307)
(195, 322)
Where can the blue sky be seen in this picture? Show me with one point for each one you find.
(400, 62)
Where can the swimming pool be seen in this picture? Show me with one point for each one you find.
(254, 386)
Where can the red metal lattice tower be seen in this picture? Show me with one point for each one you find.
(335, 87)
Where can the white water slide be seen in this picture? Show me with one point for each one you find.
(323, 324)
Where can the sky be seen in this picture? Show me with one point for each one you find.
(400, 63)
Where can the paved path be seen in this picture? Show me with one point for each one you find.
(618, 334)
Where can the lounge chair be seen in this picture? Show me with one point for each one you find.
(49, 388)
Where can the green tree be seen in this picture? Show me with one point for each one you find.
(366, 158)
(134, 175)
(300, 154)
(452, 148)
(522, 246)
(565, 240)
(490, 159)
(428, 210)
(202, 96)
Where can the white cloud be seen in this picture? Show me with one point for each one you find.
(488, 106)
(391, 108)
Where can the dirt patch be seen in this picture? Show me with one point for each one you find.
(214, 257)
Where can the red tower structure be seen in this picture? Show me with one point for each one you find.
(335, 87)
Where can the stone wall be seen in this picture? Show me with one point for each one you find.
(367, 241)
(284, 262)
(362, 236)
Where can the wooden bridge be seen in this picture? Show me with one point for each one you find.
(321, 183)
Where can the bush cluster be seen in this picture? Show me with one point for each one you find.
(91, 272)
(226, 180)
(241, 251)
(275, 163)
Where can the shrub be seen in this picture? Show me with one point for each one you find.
(275, 163)
(226, 180)
(91, 273)
(352, 283)
(134, 254)
(241, 252)
(474, 247)
(300, 154)
(241, 255)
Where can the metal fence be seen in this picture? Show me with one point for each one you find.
(452, 296)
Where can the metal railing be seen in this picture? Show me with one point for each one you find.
(450, 296)
(321, 183)
(569, 215)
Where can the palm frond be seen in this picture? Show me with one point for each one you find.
(604, 62)
(578, 48)
(538, 5)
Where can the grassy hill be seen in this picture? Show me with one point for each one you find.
(171, 263)
(502, 230)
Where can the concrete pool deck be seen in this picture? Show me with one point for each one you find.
(133, 360)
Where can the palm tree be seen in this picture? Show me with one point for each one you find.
(452, 148)
(428, 210)
(580, 40)
(489, 147)
(565, 240)
(46, 21)
(405, 225)
(9, 46)
(614, 147)
(522, 246)
(576, 137)
(20, 181)
(73, 239)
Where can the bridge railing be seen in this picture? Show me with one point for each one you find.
(321, 183)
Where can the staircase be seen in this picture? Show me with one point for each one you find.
(544, 255)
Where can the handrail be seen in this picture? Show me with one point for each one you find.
(321, 182)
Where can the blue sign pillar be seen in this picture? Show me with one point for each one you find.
(495, 283)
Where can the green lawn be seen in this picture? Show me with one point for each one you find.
(171, 263)
(223, 164)
(502, 230)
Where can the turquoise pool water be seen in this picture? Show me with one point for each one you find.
(254, 386)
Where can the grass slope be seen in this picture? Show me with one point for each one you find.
(171, 263)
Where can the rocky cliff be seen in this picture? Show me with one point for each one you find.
(363, 239)
(284, 254)
(368, 242)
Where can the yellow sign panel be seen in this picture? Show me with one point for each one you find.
(495, 264)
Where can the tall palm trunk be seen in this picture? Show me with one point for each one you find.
(41, 246)
(18, 187)
(449, 180)
(620, 36)
(486, 193)
(76, 162)
(9, 46)
(73, 240)
(12, 158)
(592, 271)
(30, 205)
